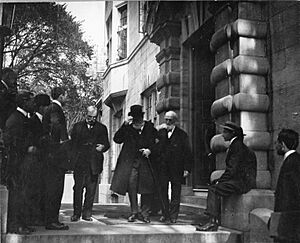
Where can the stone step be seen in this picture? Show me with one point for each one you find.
(195, 200)
(93, 232)
(192, 208)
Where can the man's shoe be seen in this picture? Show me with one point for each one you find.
(57, 226)
(163, 219)
(207, 227)
(132, 217)
(20, 231)
(146, 220)
(173, 221)
(75, 218)
(87, 218)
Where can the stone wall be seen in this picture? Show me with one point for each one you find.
(285, 71)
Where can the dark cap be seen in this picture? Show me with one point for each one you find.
(136, 111)
(233, 127)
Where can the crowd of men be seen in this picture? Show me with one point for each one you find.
(39, 151)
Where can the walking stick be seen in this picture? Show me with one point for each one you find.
(156, 184)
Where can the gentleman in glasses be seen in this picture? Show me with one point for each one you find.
(89, 140)
(176, 160)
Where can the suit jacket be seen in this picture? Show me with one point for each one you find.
(15, 138)
(241, 166)
(84, 143)
(36, 130)
(174, 152)
(55, 131)
(287, 193)
(131, 156)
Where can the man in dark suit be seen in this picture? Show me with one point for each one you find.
(132, 173)
(35, 187)
(15, 139)
(239, 176)
(55, 131)
(175, 162)
(287, 193)
(89, 139)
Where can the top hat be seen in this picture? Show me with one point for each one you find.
(136, 110)
(233, 127)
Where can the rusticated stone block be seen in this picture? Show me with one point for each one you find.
(251, 65)
(221, 106)
(236, 208)
(218, 144)
(258, 225)
(221, 71)
(250, 83)
(251, 102)
(222, 89)
(253, 121)
(249, 46)
(251, 10)
(257, 140)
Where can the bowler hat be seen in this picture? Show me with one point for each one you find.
(136, 110)
(233, 127)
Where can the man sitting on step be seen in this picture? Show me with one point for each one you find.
(239, 176)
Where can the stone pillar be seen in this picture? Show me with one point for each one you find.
(166, 35)
(240, 78)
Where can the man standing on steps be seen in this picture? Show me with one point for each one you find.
(175, 161)
(89, 140)
(55, 130)
(239, 176)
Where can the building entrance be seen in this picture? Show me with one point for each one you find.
(203, 95)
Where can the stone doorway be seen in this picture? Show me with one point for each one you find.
(203, 95)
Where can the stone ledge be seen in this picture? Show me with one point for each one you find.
(236, 209)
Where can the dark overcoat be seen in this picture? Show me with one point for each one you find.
(84, 143)
(174, 153)
(241, 166)
(129, 155)
(287, 193)
(55, 129)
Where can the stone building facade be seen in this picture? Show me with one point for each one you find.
(211, 61)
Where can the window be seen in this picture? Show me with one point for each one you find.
(150, 101)
(122, 33)
(109, 41)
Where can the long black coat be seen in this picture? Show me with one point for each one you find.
(174, 153)
(16, 140)
(287, 193)
(132, 142)
(55, 130)
(88, 155)
(241, 166)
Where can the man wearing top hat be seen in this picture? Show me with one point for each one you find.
(132, 173)
(239, 176)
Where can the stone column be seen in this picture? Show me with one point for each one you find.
(3, 210)
(240, 78)
(166, 35)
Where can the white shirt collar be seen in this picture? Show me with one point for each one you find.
(288, 153)
(57, 102)
(40, 116)
(22, 111)
(232, 140)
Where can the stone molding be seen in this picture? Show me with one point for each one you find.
(167, 54)
(171, 78)
(240, 64)
(240, 27)
(165, 30)
(171, 103)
